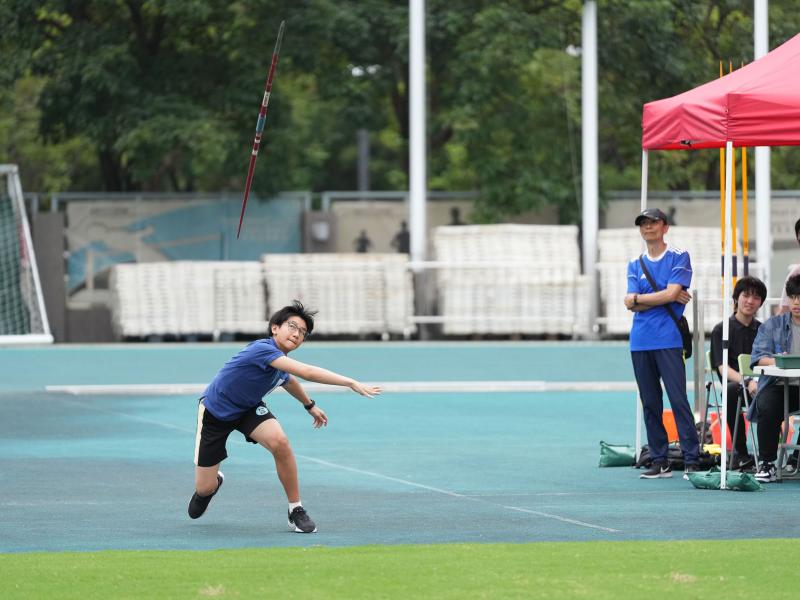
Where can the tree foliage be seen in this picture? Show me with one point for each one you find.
(163, 94)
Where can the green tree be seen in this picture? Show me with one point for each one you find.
(163, 94)
(47, 167)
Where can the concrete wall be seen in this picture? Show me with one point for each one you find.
(48, 244)
(381, 220)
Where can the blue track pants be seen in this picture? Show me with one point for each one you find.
(651, 367)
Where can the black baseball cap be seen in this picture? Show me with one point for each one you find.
(651, 213)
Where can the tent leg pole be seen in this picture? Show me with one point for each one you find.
(638, 400)
(644, 178)
(726, 311)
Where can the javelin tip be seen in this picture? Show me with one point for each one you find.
(280, 38)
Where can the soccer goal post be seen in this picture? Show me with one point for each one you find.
(23, 319)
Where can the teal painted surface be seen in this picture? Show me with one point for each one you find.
(34, 368)
(396, 469)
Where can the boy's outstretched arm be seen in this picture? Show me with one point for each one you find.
(296, 389)
(320, 375)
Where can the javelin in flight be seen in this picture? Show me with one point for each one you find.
(262, 119)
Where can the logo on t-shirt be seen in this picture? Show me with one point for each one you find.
(261, 411)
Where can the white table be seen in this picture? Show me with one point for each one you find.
(785, 444)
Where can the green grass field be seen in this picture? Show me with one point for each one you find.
(686, 569)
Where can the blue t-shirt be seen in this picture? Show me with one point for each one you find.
(654, 329)
(244, 380)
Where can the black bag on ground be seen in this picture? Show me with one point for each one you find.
(705, 460)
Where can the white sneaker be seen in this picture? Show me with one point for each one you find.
(766, 473)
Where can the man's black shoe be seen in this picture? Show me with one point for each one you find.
(300, 522)
(657, 471)
(199, 504)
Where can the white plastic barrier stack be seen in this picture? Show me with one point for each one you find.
(240, 298)
(616, 247)
(186, 298)
(511, 279)
(355, 294)
(143, 301)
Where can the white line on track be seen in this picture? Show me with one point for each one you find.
(403, 387)
(457, 495)
(59, 503)
(364, 472)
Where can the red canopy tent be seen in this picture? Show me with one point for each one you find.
(757, 105)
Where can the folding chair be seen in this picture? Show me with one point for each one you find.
(788, 448)
(743, 404)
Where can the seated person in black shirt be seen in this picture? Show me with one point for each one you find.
(748, 296)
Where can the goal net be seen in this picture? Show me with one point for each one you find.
(22, 314)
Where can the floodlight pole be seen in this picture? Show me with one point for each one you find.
(417, 155)
(589, 161)
(763, 173)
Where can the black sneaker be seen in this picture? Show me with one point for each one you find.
(300, 522)
(658, 470)
(689, 469)
(766, 473)
(743, 462)
(199, 504)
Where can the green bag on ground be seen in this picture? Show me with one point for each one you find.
(739, 482)
(612, 455)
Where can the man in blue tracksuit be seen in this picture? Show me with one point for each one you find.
(656, 344)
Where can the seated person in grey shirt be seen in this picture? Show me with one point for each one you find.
(778, 335)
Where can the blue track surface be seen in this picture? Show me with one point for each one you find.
(95, 472)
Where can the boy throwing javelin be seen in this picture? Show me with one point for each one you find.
(233, 400)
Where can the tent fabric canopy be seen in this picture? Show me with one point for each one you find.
(757, 105)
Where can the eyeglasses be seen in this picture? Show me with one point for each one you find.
(297, 329)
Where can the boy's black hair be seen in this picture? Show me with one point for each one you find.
(797, 228)
(793, 286)
(295, 309)
(752, 285)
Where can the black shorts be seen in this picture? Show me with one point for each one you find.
(212, 433)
